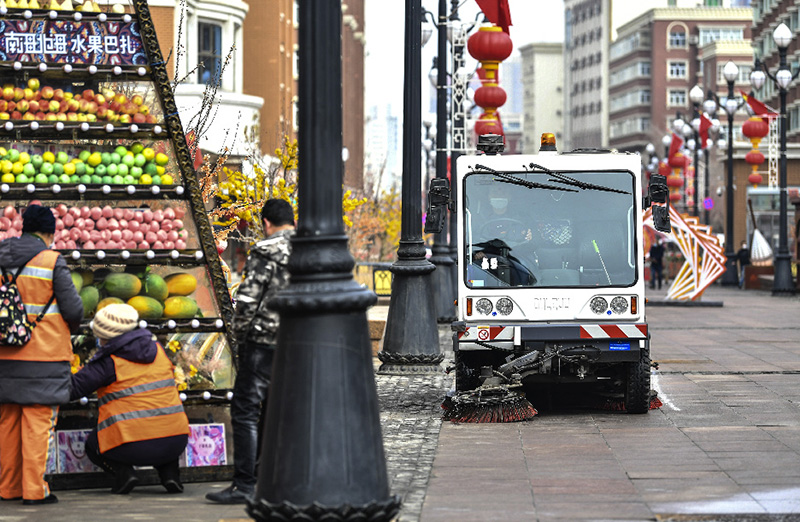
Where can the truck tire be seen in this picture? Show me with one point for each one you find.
(637, 384)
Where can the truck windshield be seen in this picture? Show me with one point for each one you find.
(530, 236)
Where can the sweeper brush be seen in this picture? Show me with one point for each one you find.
(490, 402)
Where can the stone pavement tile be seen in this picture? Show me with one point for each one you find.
(671, 490)
(464, 471)
(576, 510)
(508, 512)
(764, 477)
(776, 494)
(737, 433)
(782, 506)
(740, 504)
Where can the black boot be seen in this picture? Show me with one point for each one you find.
(125, 479)
(170, 475)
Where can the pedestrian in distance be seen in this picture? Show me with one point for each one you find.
(141, 421)
(35, 378)
(255, 327)
(743, 257)
(656, 263)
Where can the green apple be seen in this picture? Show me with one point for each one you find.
(101, 170)
(86, 179)
(36, 161)
(129, 180)
(47, 168)
(84, 155)
(107, 180)
(136, 172)
(62, 157)
(112, 170)
(58, 168)
(39, 178)
(52, 178)
(117, 180)
(64, 178)
(105, 158)
(80, 169)
(29, 171)
(13, 155)
(115, 158)
(139, 160)
(96, 179)
(156, 180)
(128, 159)
(89, 170)
(151, 168)
(123, 170)
(22, 178)
(74, 179)
(121, 150)
(137, 147)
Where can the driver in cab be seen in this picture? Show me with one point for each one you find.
(500, 229)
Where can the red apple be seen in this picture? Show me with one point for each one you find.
(63, 106)
(28, 93)
(23, 105)
(51, 116)
(114, 106)
(137, 99)
(87, 95)
(71, 116)
(130, 108)
(16, 115)
(8, 93)
(28, 116)
(47, 92)
(18, 93)
(61, 116)
(33, 106)
(92, 107)
(139, 118)
(125, 118)
(102, 112)
(58, 94)
(53, 106)
(73, 105)
(33, 84)
(149, 118)
(83, 106)
(41, 116)
(144, 109)
(99, 98)
(108, 93)
(3, 105)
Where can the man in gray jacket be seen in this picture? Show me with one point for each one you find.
(35, 378)
(256, 328)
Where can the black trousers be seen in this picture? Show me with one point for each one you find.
(248, 408)
(161, 453)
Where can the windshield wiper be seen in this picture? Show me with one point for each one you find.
(563, 178)
(508, 178)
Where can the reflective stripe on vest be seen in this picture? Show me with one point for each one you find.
(141, 414)
(136, 389)
(51, 337)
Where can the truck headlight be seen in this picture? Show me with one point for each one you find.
(598, 305)
(619, 305)
(484, 306)
(504, 306)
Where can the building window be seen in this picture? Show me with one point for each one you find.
(713, 34)
(677, 38)
(677, 97)
(677, 69)
(209, 55)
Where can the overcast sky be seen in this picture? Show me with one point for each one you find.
(532, 21)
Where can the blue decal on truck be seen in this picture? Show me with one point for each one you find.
(619, 346)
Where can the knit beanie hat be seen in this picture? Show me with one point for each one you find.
(38, 219)
(113, 320)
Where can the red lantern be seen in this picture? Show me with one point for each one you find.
(678, 161)
(490, 44)
(755, 128)
(675, 182)
(754, 157)
(755, 179)
(490, 96)
(488, 124)
(675, 196)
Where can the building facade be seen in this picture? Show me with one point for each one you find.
(543, 96)
(659, 56)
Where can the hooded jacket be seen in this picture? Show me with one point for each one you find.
(39, 382)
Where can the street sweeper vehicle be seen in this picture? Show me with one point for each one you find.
(550, 275)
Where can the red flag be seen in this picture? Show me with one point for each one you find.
(759, 108)
(705, 124)
(675, 146)
(194, 148)
(497, 12)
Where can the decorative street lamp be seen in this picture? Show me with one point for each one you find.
(411, 341)
(731, 105)
(696, 97)
(710, 107)
(322, 453)
(441, 279)
(782, 283)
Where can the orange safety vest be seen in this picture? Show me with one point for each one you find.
(142, 404)
(51, 337)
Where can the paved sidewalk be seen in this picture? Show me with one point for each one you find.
(727, 440)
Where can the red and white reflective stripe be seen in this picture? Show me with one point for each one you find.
(614, 331)
(488, 333)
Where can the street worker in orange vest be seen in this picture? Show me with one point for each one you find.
(141, 421)
(35, 378)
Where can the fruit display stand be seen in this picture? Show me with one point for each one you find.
(89, 127)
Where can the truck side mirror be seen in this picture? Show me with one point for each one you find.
(658, 198)
(438, 203)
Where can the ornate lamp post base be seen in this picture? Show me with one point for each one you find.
(411, 341)
(441, 280)
(374, 511)
(730, 277)
(783, 284)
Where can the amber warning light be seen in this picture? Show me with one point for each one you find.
(548, 142)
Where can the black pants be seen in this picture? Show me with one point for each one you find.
(248, 407)
(161, 453)
(656, 274)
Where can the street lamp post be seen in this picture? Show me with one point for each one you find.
(322, 451)
(731, 105)
(782, 283)
(710, 107)
(411, 341)
(441, 279)
(696, 97)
